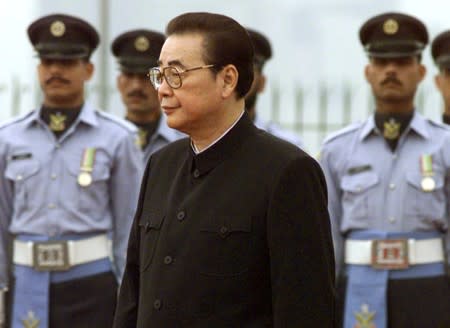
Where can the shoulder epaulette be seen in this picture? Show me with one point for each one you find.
(349, 128)
(119, 121)
(15, 119)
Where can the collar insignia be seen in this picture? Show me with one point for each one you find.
(57, 122)
(391, 129)
(141, 140)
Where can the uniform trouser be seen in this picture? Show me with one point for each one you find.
(412, 303)
(86, 302)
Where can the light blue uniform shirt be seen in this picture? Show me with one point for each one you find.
(39, 193)
(372, 188)
(277, 131)
(162, 137)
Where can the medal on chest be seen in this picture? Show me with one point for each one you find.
(426, 166)
(87, 165)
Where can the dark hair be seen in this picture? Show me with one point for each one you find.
(261, 47)
(225, 42)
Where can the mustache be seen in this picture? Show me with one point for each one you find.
(391, 79)
(137, 93)
(57, 79)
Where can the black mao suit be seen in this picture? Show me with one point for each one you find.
(236, 236)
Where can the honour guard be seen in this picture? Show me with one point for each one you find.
(137, 51)
(388, 191)
(262, 53)
(440, 51)
(68, 190)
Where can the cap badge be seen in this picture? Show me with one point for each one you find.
(390, 26)
(141, 43)
(57, 29)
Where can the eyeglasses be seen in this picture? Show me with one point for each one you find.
(171, 74)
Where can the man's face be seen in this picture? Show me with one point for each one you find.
(442, 81)
(196, 105)
(394, 79)
(62, 81)
(138, 94)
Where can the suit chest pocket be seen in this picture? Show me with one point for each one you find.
(150, 229)
(226, 246)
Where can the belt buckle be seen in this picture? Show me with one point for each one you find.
(390, 254)
(51, 256)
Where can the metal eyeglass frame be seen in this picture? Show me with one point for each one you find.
(155, 74)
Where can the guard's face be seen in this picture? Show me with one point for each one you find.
(138, 94)
(194, 106)
(394, 79)
(443, 84)
(62, 81)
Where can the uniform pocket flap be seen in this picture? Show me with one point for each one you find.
(359, 182)
(99, 172)
(152, 221)
(415, 180)
(21, 169)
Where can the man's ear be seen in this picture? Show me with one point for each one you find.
(230, 77)
(367, 73)
(438, 81)
(89, 71)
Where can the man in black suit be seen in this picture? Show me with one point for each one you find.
(232, 228)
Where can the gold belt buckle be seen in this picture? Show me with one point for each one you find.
(51, 256)
(390, 254)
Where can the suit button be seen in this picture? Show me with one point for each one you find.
(223, 231)
(196, 173)
(168, 260)
(181, 215)
(157, 304)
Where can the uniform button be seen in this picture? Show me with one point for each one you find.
(196, 173)
(51, 206)
(57, 146)
(168, 260)
(394, 156)
(181, 215)
(392, 186)
(358, 188)
(53, 176)
(19, 177)
(392, 219)
(157, 304)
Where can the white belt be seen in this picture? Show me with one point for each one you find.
(75, 252)
(418, 251)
